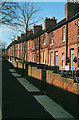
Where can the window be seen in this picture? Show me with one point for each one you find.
(78, 27)
(44, 57)
(29, 44)
(51, 38)
(28, 57)
(33, 45)
(63, 34)
(38, 42)
(78, 57)
(33, 57)
(41, 57)
(51, 58)
(63, 60)
(44, 42)
(56, 58)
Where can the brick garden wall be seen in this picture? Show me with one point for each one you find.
(34, 72)
(55, 79)
(51, 78)
(64, 83)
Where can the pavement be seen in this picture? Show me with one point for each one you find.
(0, 114)
(0, 87)
(21, 99)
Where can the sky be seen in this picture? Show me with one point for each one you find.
(47, 9)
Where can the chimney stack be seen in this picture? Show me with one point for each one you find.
(18, 38)
(37, 28)
(71, 8)
(49, 22)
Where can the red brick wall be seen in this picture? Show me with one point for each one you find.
(58, 45)
(64, 83)
(55, 79)
(34, 72)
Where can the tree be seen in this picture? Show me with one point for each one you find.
(3, 45)
(8, 12)
(26, 18)
(13, 36)
(20, 15)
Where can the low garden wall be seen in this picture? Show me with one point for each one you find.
(49, 77)
(62, 82)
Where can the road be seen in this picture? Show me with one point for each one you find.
(17, 101)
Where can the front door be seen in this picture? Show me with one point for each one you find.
(72, 62)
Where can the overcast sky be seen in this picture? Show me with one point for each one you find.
(48, 9)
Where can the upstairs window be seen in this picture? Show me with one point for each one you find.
(44, 57)
(44, 42)
(63, 32)
(78, 57)
(33, 45)
(78, 27)
(38, 42)
(29, 44)
(51, 39)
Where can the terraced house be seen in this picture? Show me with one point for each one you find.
(56, 45)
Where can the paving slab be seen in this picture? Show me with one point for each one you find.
(0, 114)
(28, 85)
(16, 74)
(52, 107)
(12, 70)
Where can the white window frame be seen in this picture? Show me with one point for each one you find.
(63, 30)
(51, 39)
(33, 59)
(33, 45)
(38, 42)
(29, 44)
(63, 56)
(44, 57)
(44, 39)
(78, 30)
(51, 60)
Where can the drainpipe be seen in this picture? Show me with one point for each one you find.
(66, 42)
(67, 34)
(39, 49)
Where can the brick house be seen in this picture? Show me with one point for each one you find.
(56, 44)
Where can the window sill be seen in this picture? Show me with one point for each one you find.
(78, 36)
(51, 44)
(44, 44)
(63, 41)
(52, 65)
(62, 67)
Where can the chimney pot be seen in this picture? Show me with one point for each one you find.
(72, 1)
